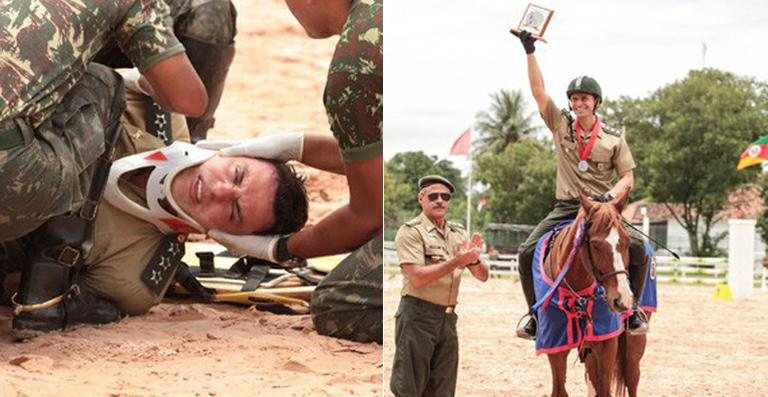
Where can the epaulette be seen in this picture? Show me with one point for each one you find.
(413, 222)
(610, 130)
(456, 225)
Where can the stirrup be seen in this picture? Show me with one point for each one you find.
(641, 330)
(520, 330)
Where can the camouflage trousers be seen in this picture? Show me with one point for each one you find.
(49, 173)
(347, 304)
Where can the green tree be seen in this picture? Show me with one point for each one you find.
(687, 137)
(504, 123)
(521, 182)
(401, 176)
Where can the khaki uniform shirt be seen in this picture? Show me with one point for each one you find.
(610, 153)
(123, 243)
(420, 242)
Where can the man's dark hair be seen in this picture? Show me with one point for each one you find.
(290, 207)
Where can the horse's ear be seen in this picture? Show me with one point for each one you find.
(586, 200)
(620, 202)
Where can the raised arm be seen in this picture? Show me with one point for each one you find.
(535, 78)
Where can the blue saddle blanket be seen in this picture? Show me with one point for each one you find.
(563, 319)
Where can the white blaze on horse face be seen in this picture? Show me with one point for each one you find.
(619, 265)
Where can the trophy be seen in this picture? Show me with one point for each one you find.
(535, 20)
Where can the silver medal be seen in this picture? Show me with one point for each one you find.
(583, 166)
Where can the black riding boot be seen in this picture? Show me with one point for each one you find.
(48, 298)
(637, 324)
(525, 269)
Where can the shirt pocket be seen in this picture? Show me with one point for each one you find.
(433, 255)
(602, 162)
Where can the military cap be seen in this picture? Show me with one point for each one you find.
(432, 179)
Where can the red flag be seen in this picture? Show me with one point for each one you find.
(461, 146)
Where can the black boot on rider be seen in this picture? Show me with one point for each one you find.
(524, 267)
(637, 324)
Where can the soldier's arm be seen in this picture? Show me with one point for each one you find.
(322, 152)
(354, 223)
(626, 181)
(176, 86)
(536, 81)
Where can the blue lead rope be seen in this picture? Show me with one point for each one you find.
(564, 271)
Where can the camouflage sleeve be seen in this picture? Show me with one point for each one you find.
(353, 94)
(145, 34)
(409, 246)
(622, 157)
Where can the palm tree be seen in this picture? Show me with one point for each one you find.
(504, 124)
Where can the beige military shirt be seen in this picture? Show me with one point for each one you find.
(610, 153)
(123, 243)
(420, 242)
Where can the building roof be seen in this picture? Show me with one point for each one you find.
(745, 202)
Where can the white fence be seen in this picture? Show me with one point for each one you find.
(686, 270)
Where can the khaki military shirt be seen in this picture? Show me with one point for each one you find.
(609, 155)
(421, 243)
(123, 243)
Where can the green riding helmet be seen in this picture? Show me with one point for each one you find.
(585, 84)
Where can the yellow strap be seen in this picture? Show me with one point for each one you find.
(250, 297)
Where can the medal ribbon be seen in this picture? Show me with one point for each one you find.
(585, 151)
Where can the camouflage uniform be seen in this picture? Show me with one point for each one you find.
(354, 102)
(348, 302)
(207, 29)
(53, 107)
(124, 246)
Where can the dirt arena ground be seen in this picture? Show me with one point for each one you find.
(189, 349)
(696, 347)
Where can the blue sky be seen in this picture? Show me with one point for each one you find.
(443, 58)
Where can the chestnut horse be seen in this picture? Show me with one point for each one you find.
(586, 265)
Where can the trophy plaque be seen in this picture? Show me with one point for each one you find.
(535, 20)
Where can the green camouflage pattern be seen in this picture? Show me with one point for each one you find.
(348, 303)
(354, 98)
(45, 46)
(50, 174)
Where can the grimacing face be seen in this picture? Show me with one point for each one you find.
(232, 194)
(434, 209)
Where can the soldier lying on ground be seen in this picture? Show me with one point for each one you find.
(152, 200)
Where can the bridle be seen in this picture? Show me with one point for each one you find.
(599, 275)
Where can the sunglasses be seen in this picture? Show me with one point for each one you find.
(434, 196)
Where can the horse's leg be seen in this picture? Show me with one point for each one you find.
(635, 350)
(604, 363)
(590, 374)
(558, 363)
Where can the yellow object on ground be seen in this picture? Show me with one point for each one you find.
(722, 292)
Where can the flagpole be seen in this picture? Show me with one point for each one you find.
(469, 187)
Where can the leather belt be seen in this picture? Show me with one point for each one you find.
(429, 305)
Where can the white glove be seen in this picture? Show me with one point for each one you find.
(131, 81)
(262, 247)
(280, 146)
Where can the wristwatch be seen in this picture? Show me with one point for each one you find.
(283, 256)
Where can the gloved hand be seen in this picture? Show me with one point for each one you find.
(262, 247)
(280, 146)
(131, 81)
(605, 197)
(526, 39)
